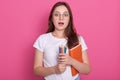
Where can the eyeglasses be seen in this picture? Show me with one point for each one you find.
(59, 15)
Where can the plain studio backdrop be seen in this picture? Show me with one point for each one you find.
(22, 21)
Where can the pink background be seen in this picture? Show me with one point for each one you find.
(22, 21)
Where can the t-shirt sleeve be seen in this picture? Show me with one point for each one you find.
(39, 44)
(83, 44)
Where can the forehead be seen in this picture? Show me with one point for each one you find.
(61, 9)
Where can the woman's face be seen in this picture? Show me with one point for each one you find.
(60, 17)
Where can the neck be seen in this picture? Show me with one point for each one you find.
(59, 34)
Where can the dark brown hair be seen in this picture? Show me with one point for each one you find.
(70, 32)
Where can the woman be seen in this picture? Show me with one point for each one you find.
(51, 64)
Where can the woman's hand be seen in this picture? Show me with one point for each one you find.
(60, 68)
(64, 59)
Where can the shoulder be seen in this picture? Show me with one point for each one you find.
(80, 38)
(41, 41)
(44, 36)
(82, 42)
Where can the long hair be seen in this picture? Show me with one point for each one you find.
(70, 32)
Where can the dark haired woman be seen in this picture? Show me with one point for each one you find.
(49, 62)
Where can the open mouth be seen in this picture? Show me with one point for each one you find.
(60, 23)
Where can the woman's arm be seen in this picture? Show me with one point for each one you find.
(84, 67)
(42, 71)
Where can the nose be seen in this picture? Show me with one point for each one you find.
(61, 17)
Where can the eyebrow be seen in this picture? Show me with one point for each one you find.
(63, 12)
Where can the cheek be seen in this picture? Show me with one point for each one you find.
(67, 21)
(54, 21)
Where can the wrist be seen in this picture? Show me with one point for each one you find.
(72, 61)
(54, 69)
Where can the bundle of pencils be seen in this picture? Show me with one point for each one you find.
(62, 49)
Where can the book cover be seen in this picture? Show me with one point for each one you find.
(76, 53)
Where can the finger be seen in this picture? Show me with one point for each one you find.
(62, 63)
(61, 57)
(61, 60)
(61, 54)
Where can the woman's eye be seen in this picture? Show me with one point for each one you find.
(56, 14)
(65, 15)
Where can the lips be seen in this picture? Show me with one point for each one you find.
(60, 23)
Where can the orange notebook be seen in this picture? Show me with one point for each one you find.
(76, 53)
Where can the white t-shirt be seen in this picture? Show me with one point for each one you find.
(49, 45)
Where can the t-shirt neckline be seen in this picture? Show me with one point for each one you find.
(56, 37)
